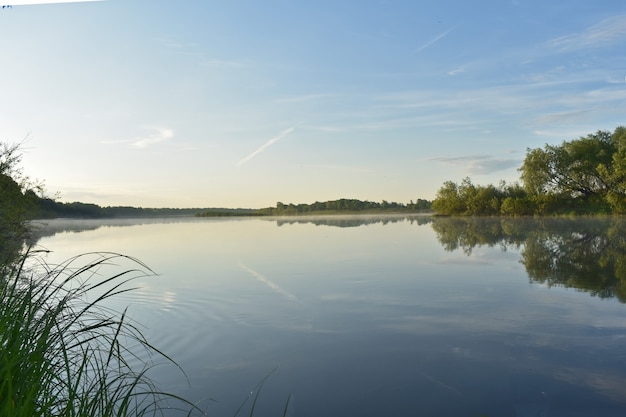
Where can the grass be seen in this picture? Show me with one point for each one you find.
(63, 352)
(256, 392)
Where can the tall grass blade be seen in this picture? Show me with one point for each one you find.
(64, 352)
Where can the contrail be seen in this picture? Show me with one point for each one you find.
(434, 40)
(266, 145)
(267, 282)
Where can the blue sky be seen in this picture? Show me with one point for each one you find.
(201, 103)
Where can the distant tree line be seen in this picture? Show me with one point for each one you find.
(48, 208)
(581, 176)
(344, 205)
(226, 212)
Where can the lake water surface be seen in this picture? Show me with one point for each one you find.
(371, 316)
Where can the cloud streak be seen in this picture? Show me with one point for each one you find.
(481, 164)
(456, 71)
(434, 40)
(156, 135)
(266, 145)
(605, 32)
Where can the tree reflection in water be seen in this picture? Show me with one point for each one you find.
(586, 254)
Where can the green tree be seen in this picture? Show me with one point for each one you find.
(480, 200)
(585, 175)
(616, 172)
(448, 200)
(468, 199)
(14, 205)
(12, 218)
(582, 168)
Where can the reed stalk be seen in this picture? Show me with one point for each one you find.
(65, 352)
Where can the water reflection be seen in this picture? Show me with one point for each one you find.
(375, 318)
(353, 221)
(262, 279)
(46, 228)
(585, 254)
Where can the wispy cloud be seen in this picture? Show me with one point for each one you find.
(153, 136)
(434, 40)
(605, 32)
(456, 71)
(266, 145)
(616, 80)
(561, 117)
(267, 282)
(529, 100)
(481, 164)
(563, 133)
(158, 135)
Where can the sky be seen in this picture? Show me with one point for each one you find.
(242, 103)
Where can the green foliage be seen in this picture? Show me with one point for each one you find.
(63, 352)
(420, 205)
(588, 173)
(468, 199)
(48, 208)
(226, 212)
(14, 204)
(10, 158)
(448, 200)
(12, 214)
(575, 168)
(581, 176)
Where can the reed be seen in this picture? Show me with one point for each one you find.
(256, 392)
(65, 352)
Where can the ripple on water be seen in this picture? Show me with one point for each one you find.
(187, 324)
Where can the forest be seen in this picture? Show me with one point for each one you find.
(341, 206)
(585, 176)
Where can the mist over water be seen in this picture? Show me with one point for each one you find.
(377, 316)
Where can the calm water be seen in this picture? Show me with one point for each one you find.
(379, 317)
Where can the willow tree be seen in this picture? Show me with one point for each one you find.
(616, 172)
(591, 169)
